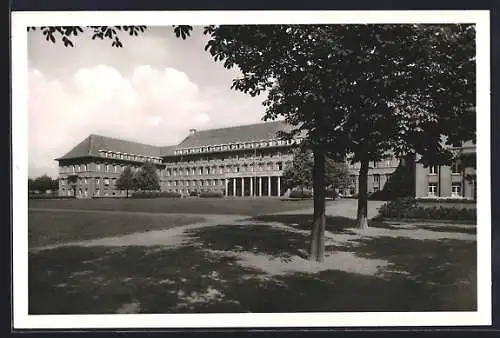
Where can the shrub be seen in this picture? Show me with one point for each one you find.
(155, 194)
(408, 208)
(300, 194)
(332, 193)
(211, 194)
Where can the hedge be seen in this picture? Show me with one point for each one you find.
(48, 197)
(154, 194)
(210, 194)
(408, 208)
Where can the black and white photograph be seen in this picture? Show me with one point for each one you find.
(246, 169)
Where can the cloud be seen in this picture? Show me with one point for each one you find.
(152, 106)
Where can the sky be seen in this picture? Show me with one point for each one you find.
(153, 90)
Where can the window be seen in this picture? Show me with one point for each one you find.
(388, 177)
(187, 183)
(84, 181)
(433, 170)
(280, 166)
(169, 172)
(455, 168)
(98, 167)
(97, 181)
(456, 190)
(432, 189)
(106, 181)
(376, 179)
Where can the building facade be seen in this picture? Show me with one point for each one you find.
(237, 161)
(455, 181)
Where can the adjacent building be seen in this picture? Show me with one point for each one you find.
(455, 181)
(237, 161)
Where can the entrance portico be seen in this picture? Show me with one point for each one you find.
(257, 186)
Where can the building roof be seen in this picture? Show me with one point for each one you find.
(93, 143)
(245, 133)
(167, 150)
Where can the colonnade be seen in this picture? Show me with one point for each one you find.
(253, 186)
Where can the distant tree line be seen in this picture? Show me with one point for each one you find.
(42, 184)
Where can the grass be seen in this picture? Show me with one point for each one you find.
(422, 275)
(235, 206)
(48, 228)
(258, 239)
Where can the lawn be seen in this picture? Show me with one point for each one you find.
(257, 265)
(239, 206)
(49, 228)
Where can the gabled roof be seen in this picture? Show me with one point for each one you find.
(93, 143)
(245, 133)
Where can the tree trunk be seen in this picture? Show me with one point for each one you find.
(319, 220)
(363, 195)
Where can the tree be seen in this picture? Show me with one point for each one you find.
(299, 174)
(146, 178)
(43, 183)
(356, 89)
(408, 88)
(126, 180)
(73, 180)
(31, 185)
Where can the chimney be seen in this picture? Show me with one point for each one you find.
(192, 131)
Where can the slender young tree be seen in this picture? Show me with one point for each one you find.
(126, 180)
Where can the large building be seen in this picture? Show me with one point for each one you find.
(244, 160)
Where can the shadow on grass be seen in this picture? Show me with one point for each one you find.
(442, 271)
(258, 239)
(77, 280)
(422, 275)
(334, 224)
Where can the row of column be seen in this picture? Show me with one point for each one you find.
(259, 180)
